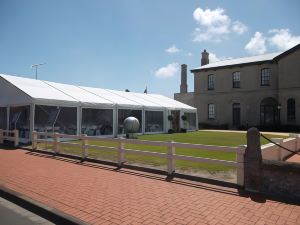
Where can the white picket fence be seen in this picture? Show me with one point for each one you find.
(9, 135)
(273, 152)
(171, 156)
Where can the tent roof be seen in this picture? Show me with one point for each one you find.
(45, 91)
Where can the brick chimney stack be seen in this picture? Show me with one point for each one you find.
(183, 85)
(205, 58)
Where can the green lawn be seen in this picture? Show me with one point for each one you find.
(198, 137)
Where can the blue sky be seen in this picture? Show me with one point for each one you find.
(133, 43)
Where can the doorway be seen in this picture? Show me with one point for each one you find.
(269, 112)
(236, 115)
(176, 120)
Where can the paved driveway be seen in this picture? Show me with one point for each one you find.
(100, 195)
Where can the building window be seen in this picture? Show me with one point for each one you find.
(211, 111)
(291, 111)
(265, 77)
(236, 79)
(211, 82)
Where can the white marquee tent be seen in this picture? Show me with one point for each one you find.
(28, 104)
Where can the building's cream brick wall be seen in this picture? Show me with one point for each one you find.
(284, 84)
(289, 84)
(186, 98)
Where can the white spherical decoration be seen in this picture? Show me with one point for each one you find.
(131, 125)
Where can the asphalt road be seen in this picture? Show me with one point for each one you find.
(11, 214)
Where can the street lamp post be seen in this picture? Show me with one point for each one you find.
(36, 68)
(279, 107)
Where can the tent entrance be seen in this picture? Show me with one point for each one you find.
(176, 120)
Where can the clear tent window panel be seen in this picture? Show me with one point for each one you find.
(96, 122)
(154, 121)
(123, 114)
(19, 119)
(3, 118)
(55, 119)
(191, 121)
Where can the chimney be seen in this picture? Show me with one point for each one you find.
(205, 58)
(183, 85)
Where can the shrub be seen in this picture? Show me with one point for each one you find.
(170, 117)
(183, 117)
(170, 131)
(183, 130)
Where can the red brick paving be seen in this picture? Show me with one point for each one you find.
(99, 195)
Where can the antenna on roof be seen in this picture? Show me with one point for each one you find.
(36, 68)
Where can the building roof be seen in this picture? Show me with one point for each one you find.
(238, 61)
(46, 92)
(247, 60)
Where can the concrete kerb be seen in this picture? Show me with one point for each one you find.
(51, 214)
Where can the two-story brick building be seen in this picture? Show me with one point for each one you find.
(252, 91)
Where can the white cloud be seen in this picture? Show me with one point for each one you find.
(172, 49)
(213, 58)
(239, 28)
(209, 17)
(167, 71)
(257, 44)
(189, 54)
(213, 24)
(283, 39)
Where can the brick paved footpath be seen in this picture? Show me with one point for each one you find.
(98, 194)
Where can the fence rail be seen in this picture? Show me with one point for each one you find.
(9, 135)
(56, 140)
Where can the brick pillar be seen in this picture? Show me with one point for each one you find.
(253, 172)
(183, 85)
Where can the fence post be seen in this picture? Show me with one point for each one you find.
(84, 143)
(253, 171)
(171, 161)
(16, 138)
(1, 136)
(121, 152)
(240, 169)
(56, 143)
(34, 140)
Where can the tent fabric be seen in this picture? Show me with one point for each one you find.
(45, 91)
(79, 94)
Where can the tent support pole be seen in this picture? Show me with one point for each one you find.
(79, 120)
(31, 120)
(143, 121)
(115, 121)
(7, 117)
